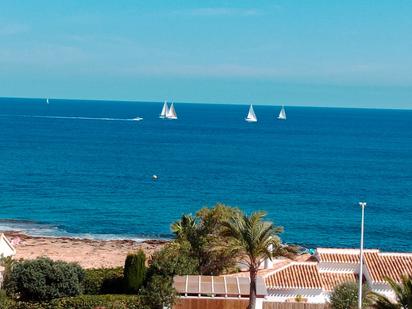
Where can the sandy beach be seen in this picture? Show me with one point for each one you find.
(87, 252)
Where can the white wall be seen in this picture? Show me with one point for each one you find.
(339, 267)
(314, 296)
(5, 247)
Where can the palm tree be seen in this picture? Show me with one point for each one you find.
(250, 238)
(403, 295)
(185, 227)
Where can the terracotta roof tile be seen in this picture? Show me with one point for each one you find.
(392, 265)
(295, 275)
(331, 280)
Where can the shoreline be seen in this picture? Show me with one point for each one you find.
(88, 253)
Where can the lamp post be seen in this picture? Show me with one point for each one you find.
(362, 205)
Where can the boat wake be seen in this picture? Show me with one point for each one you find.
(82, 118)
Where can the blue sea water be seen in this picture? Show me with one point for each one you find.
(93, 177)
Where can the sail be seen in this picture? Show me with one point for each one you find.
(282, 114)
(251, 116)
(171, 113)
(165, 110)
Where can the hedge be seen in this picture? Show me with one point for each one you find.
(43, 279)
(103, 281)
(83, 302)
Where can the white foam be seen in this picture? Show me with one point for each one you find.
(45, 230)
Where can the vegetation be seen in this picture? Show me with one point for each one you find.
(210, 243)
(201, 234)
(5, 302)
(173, 259)
(43, 279)
(81, 302)
(252, 240)
(134, 271)
(345, 296)
(159, 293)
(403, 295)
(103, 281)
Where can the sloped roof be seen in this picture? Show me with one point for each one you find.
(296, 275)
(392, 265)
(333, 255)
(331, 279)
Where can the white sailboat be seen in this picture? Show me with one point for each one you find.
(251, 116)
(171, 113)
(164, 112)
(47, 101)
(282, 114)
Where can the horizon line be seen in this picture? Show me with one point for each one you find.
(202, 103)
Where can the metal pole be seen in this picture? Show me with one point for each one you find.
(362, 205)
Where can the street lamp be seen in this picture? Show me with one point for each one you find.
(362, 205)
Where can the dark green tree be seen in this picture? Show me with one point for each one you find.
(134, 271)
(202, 233)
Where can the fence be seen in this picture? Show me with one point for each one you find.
(210, 303)
(227, 303)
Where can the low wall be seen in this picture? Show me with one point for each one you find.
(273, 305)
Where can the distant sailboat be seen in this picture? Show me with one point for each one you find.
(251, 116)
(47, 101)
(282, 114)
(165, 110)
(171, 113)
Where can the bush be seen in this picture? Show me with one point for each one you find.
(43, 279)
(345, 296)
(159, 293)
(93, 301)
(134, 271)
(103, 281)
(84, 302)
(5, 302)
(173, 259)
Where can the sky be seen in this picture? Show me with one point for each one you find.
(352, 53)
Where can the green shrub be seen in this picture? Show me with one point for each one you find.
(345, 296)
(85, 302)
(43, 279)
(93, 301)
(134, 271)
(5, 302)
(173, 259)
(103, 281)
(158, 293)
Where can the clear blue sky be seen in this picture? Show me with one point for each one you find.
(321, 53)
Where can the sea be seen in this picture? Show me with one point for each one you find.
(85, 169)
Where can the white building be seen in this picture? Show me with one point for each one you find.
(6, 248)
(312, 280)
